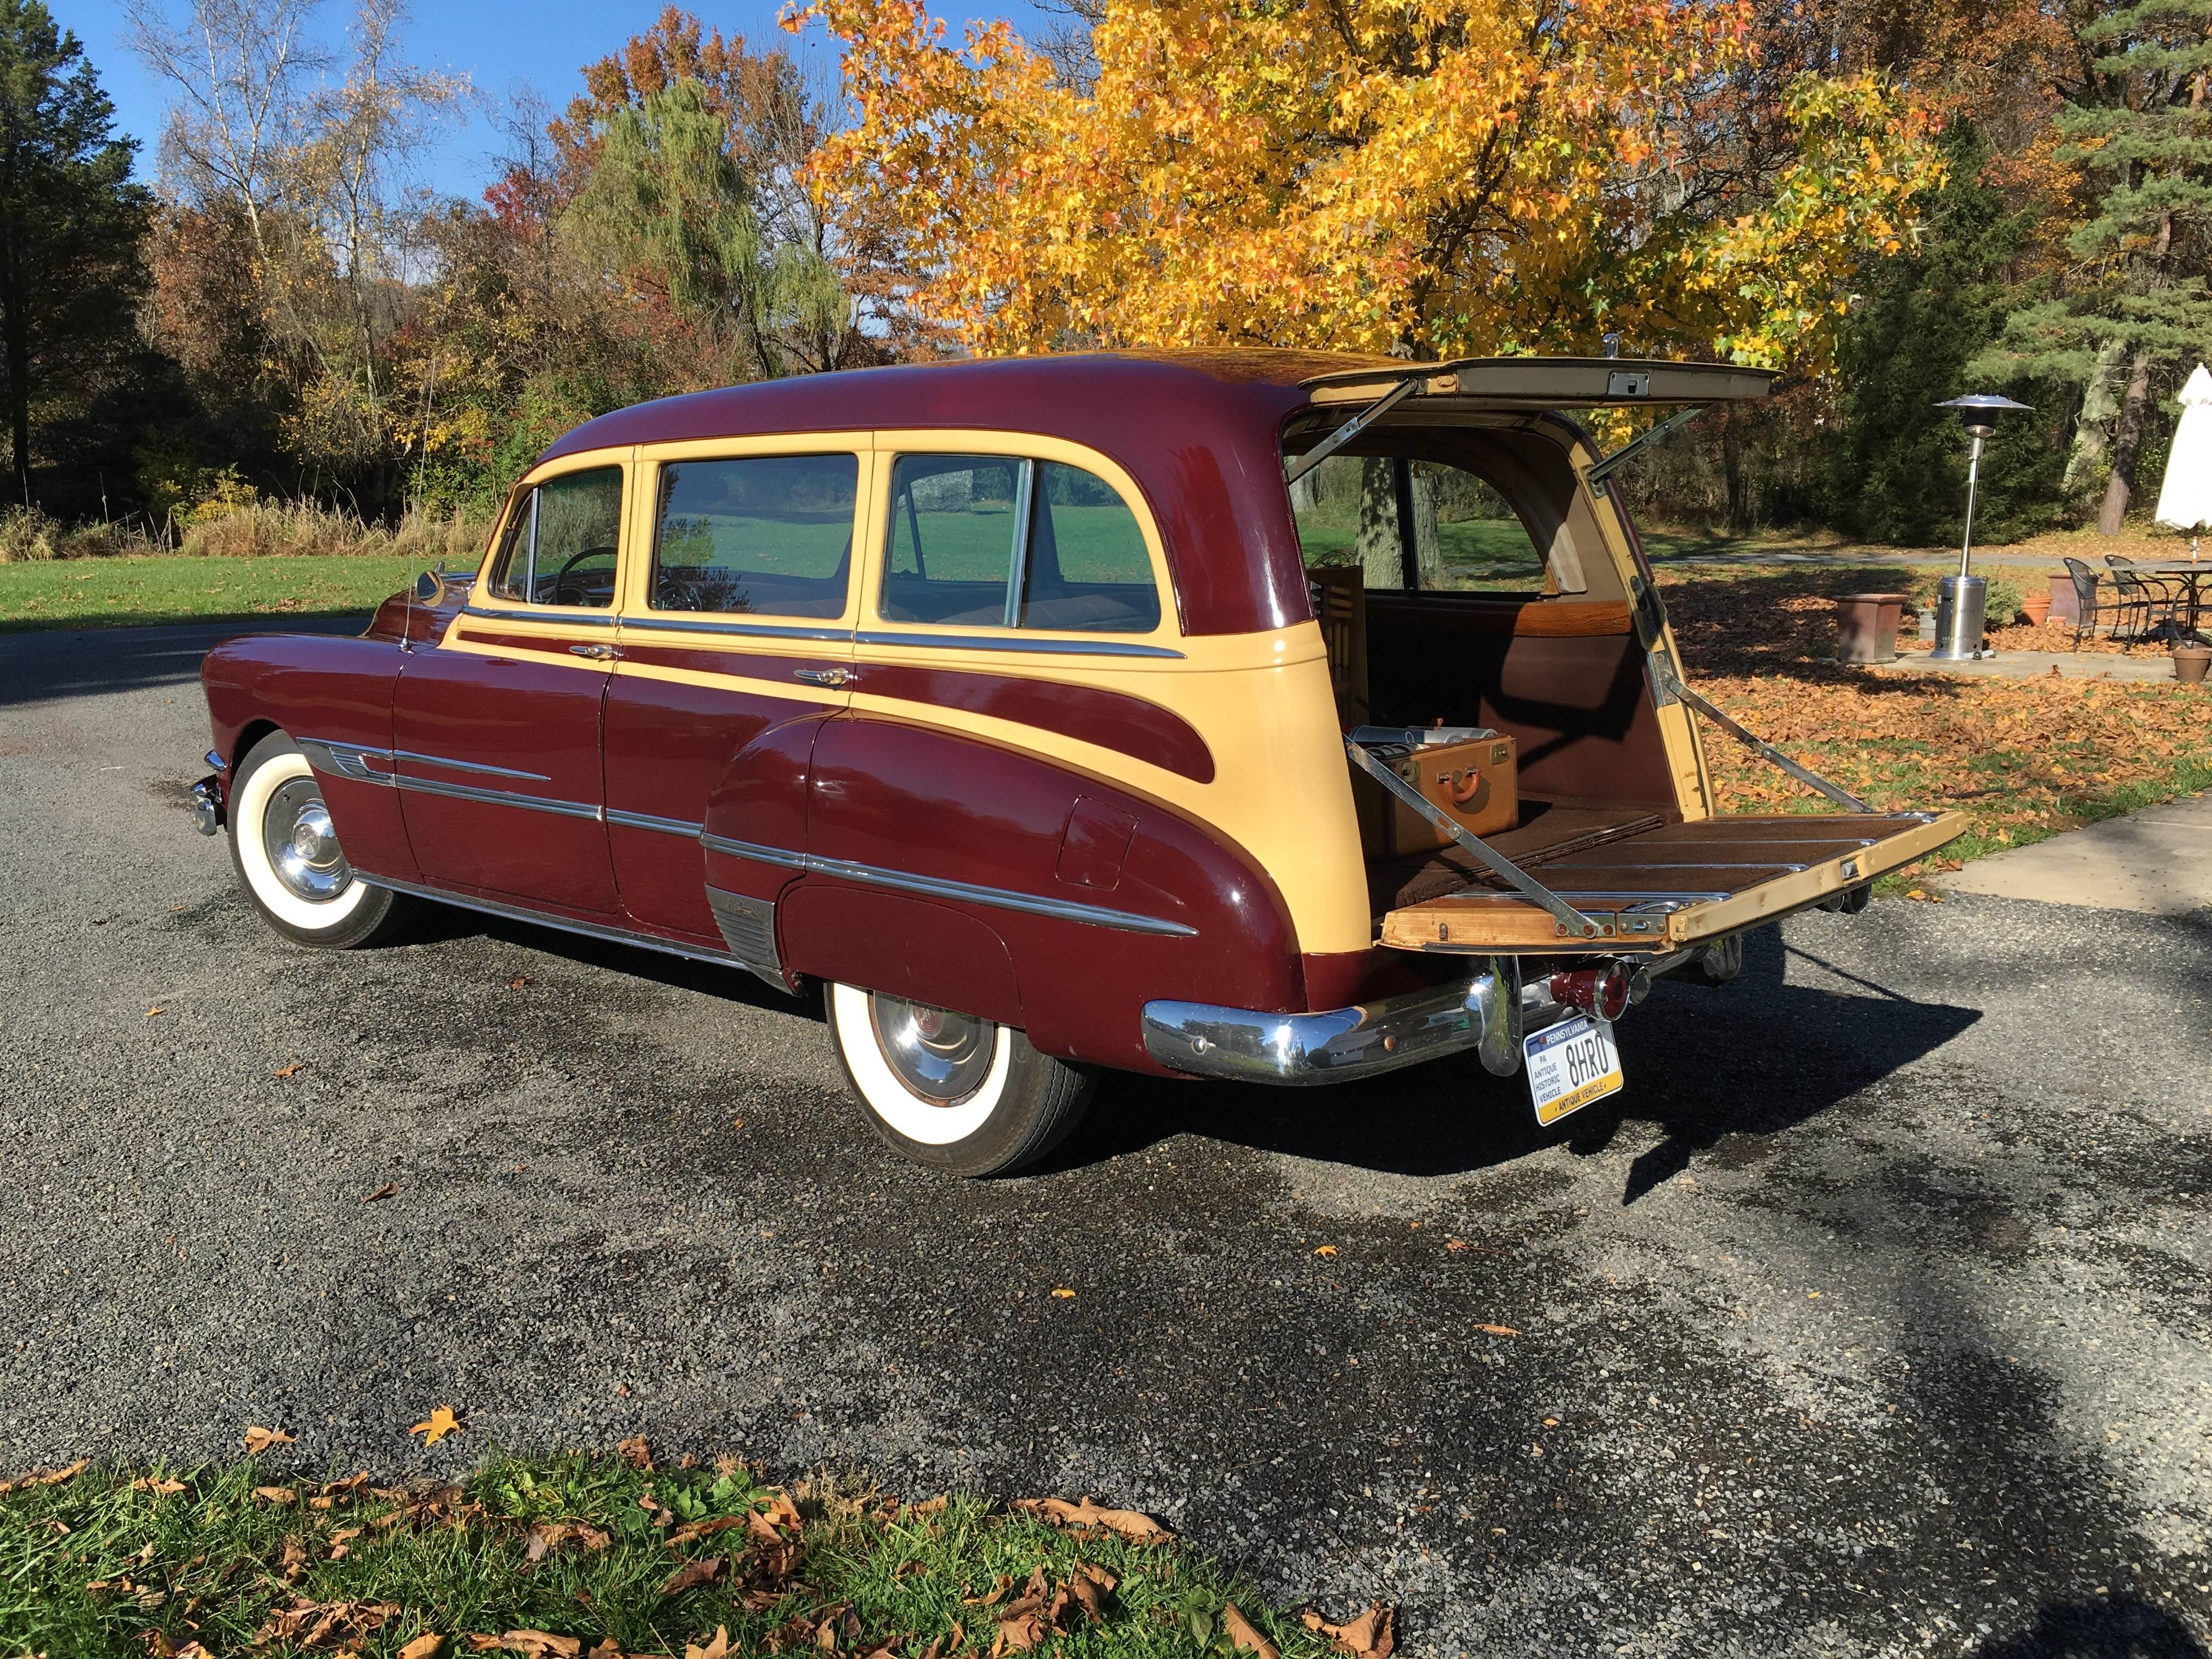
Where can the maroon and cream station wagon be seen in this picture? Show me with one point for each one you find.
(1282, 717)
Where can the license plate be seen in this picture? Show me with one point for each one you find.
(1570, 1064)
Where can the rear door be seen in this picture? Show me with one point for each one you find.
(496, 730)
(738, 623)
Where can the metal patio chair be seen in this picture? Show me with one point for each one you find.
(2121, 608)
(2163, 603)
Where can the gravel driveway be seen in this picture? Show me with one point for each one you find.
(1874, 1319)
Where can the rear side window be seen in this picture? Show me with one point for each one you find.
(560, 546)
(993, 541)
(771, 535)
(1414, 524)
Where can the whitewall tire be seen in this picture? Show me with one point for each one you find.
(951, 1091)
(289, 860)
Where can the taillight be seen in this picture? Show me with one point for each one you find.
(1601, 990)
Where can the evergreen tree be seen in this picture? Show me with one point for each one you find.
(1895, 468)
(70, 225)
(2139, 123)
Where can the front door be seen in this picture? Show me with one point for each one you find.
(496, 731)
(740, 622)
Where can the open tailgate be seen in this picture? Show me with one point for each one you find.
(1660, 888)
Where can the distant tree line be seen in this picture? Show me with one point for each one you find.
(1892, 203)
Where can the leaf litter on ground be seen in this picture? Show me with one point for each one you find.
(598, 1558)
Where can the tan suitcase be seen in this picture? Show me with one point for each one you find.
(1472, 778)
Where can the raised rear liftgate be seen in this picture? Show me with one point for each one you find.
(1636, 884)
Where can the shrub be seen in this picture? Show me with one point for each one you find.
(28, 536)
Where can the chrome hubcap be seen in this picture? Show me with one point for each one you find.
(303, 847)
(940, 1056)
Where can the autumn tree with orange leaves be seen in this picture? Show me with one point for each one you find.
(1396, 175)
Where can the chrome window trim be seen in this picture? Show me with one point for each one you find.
(592, 617)
(1004, 642)
(647, 821)
(751, 630)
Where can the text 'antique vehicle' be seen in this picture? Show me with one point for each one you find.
(1281, 717)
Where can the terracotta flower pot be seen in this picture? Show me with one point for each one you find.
(2190, 662)
(2037, 606)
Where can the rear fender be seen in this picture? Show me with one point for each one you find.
(1100, 897)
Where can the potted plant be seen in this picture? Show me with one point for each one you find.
(2038, 607)
(2190, 660)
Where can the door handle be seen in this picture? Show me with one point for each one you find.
(831, 677)
(596, 653)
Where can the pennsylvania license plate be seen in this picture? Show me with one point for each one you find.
(1570, 1064)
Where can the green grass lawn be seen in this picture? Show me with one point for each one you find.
(554, 1558)
(125, 592)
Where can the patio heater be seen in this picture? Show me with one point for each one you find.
(1961, 600)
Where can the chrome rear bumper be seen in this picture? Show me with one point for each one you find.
(1483, 1013)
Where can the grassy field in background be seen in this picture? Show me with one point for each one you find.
(129, 592)
(553, 1558)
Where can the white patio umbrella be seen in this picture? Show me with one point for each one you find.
(2184, 500)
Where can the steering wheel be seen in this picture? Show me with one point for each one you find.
(562, 586)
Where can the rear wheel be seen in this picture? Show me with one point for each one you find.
(288, 857)
(953, 1092)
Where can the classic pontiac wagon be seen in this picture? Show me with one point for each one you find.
(1255, 714)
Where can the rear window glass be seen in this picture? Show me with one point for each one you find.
(1357, 509)
(990, 541)
(770, 535)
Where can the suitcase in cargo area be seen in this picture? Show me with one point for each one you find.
(1467, 772)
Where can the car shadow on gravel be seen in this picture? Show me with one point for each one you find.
(2105, 1627)
(53, 663)
(1717, 1072)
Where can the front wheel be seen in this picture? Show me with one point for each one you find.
(289, 860)
(953, 1092)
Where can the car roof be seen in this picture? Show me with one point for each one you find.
(1200, 431)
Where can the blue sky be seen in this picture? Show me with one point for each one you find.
(500, 47)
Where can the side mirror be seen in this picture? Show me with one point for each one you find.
(429, 588)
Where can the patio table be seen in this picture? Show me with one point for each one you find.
(2197, 572)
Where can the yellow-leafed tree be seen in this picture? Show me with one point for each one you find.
(1404, 175)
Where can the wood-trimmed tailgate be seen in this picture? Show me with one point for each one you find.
(1675, 885)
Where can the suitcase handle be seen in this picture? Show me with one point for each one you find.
(1461, 797)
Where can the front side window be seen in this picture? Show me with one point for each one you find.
(560, 546)
(994, 541)
(771, 535)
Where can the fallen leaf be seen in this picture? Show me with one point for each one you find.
(259, 1440)
(634, 1452)
(1087, 1516)
(279, 1496)
(424, 1646)
(692, 1574)
(1497, 1330)
(1324, 1250)
(516, 984)
(1368, 1637)
(150, 1012)
(293, 1561)
(436, 1426)
(534, 1643)
(697, 1529)
(293, 1070)
(714, 1649)
(148, 1483)
(1062, 1292)
(605, 1650)
(340, 1540)
(1244, 1637)
(387, 1190)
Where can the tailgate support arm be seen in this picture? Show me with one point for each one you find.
(1352, 428)
(1599, 471)
(1572, 922)
(1671, 682)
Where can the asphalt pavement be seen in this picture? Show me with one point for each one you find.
(1872, 1319)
